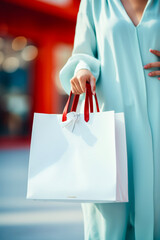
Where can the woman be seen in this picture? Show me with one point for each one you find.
(112, 50)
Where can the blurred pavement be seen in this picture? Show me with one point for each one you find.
(22, 219)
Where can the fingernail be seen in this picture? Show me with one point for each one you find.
(150, 74)
(150, 49)
(159, 78)
(145, 66)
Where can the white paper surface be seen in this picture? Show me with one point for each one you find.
(78, 163)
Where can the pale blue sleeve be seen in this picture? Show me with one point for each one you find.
(84, 50)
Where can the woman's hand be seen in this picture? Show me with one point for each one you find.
(153, 64)
(78, 82)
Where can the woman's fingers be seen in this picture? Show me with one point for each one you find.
(154, 73)
(156, 52)
(78, 82)
(75, 86)
(82, 82)
(153, 64)
(87, 77)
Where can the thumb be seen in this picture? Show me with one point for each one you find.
(93, 84)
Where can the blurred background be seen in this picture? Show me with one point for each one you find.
(36, 39)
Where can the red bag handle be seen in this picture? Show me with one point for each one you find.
(73, 108)
(88, 100)
(89, 93)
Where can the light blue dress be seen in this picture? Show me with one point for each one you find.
(115, 51)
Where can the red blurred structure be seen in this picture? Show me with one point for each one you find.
(46, 25)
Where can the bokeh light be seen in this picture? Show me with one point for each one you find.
(19, 43)
(10, 64)
(29, 53)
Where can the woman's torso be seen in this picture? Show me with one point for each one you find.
(123, 50)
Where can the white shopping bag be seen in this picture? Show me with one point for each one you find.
(77, 160)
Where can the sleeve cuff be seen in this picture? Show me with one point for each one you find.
(81, 65)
